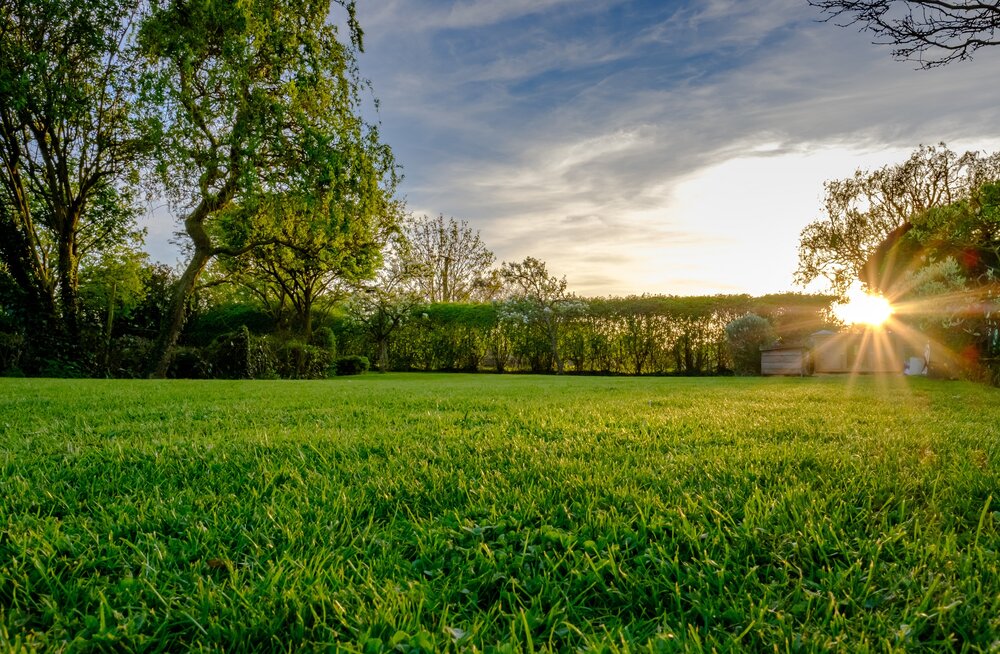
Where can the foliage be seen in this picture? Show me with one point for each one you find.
(351, 365)
(154, 300)
(746, 335)
(111, 284)
(259, 109)
(379, 308)
(324, 337)
(293, 359)
(450, 261)
(190, 363)
(128, 356)
(539, 300)
(633, 335)
(518, 514)
(863, 211)
(69, 144)
(222, 319)
(311, 246)
(238, 355)
(947, 269)
(11, 349)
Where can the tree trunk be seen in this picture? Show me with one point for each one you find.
(173, 320)
(68, 287)
(554, 342)
(307, 302)
(42, 326)
(109, 325)
(383, 354)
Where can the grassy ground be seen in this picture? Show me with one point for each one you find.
(516, 513)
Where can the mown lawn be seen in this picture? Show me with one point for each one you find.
(516, 513)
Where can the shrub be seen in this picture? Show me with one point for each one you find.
(239, 355)
(62, 369)
(129, 356)
(323, 337)
(352, 365)
(297, 360)
(746, 335)
(189, 363)
(224, 320)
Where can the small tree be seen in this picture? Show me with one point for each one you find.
(255, 100)
(541, 300)
(380, 307)
(746, 335)
(449, 259)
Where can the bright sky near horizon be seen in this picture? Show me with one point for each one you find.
(648, 146)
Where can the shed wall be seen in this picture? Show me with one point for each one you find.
(782, 362)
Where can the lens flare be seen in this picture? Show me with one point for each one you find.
(863, 308)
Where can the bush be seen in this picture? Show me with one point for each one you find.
(189, 363)
(239, 355)
(129, 356)
(352, 365)
(224, 320)
(297, 360)
(61, 368)
(746, 335)
(324, 338)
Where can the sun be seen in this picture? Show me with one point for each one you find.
(863, 308)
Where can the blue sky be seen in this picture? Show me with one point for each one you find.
(660, 147)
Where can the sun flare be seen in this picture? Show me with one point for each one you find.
(863, 308)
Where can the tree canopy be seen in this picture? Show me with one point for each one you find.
(862, 211)
(69, 146)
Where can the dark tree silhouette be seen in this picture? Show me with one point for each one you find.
(931, 32)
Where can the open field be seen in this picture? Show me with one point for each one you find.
(452, 512)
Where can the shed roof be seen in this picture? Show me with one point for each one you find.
(783, 346)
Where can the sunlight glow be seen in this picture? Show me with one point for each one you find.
(863, 308)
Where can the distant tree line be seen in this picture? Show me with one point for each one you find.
(632, 336)
(255, 320)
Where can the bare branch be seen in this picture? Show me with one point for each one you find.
(930, 32)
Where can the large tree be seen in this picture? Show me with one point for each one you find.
(68, 143)
(258, 99)
(451, 261)
(864, 210)
(931, 32)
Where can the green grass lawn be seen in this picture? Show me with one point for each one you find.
(515, 513)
